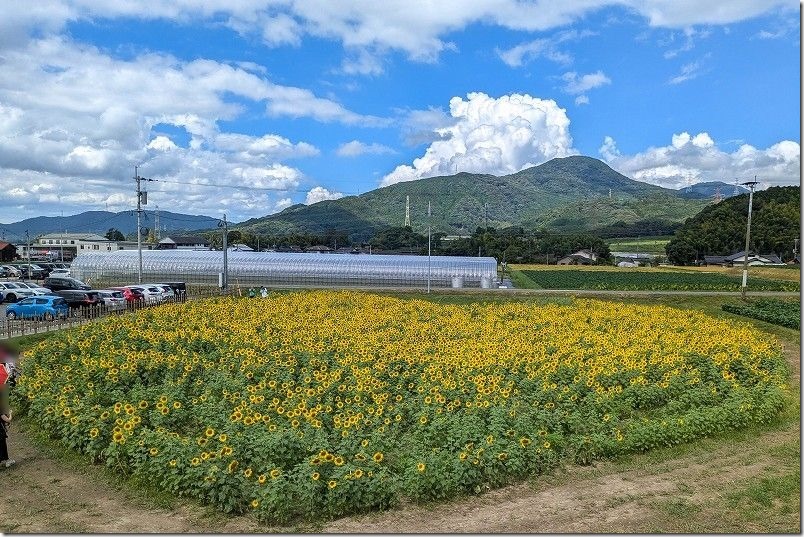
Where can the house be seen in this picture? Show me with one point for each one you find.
(319, 249)
(183, 242)
(714, 259)
(753, 259)
(634, 259)
(68, 245)
(7, 252)
(581, 257)
(240, 247)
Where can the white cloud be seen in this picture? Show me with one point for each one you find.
(488, 135)
(544, 47)
(356, 148)
(282, 204)
(689, 71)
(320, 193)
(581, 99)
(270, 146)
(416, 28)
(86, 117)
(693, 159)
(575, 84)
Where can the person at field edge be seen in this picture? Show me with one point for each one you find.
(6, 374)
(264, 292)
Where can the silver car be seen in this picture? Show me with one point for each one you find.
(112, 299)
(13, 291)
(37, 289)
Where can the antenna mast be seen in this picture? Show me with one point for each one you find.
(407, 211)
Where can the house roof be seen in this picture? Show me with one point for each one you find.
(714, 258)
(75, 236)
(773, 258)
(4, 245)
(185, 239)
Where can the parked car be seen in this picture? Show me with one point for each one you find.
(36, 272)
(59, 273)
(150, 292)
(11, 271)
(59, 283)
(112, 298)
(37, 289)
(79, 298)
(13, 291)
(40, 307)
(130, 295)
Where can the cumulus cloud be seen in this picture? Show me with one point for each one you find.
(86, 117)
(489, 135)
(320, 193)
(356, 148)
(694, 159)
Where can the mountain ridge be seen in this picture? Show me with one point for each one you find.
(565, 194)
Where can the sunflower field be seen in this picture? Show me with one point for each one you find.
(315, 404)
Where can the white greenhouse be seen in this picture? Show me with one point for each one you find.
(284, 269)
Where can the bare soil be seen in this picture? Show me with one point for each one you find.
(687, 490)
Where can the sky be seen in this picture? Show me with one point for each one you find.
(245, 108)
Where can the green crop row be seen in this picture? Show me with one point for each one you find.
(624, 280)
(772, 311)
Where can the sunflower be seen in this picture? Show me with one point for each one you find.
(255, 504)
(276, 472)
(332, 483)
(315, 476)
(261, 479)
(338, 461)
(153, 452)
(377, 457)
(420, 467)
(247, 472)
(210, 432)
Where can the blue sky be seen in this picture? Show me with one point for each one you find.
(296, 101)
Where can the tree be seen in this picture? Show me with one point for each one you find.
(115, 234)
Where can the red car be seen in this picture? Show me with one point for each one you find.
(131, 295)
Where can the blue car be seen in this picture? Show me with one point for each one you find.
(39, 307)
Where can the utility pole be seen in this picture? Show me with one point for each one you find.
(142, 199)
(225, 280)
(486, 217)
(28, 250)
(750, 185)
(156, 223)
(429, 214)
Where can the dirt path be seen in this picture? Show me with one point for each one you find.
(683, 492)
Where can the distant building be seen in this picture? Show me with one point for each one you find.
(581, 257)
(69, 245)
(634, 258)
(183, 242)
(240, 247)
(753, 259)
(7, 252)
(319, 248)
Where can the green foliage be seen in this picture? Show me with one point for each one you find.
(769, 310)
(720, 229)
(115, 234)
(626, 280)
(564, 195)
(399, 238)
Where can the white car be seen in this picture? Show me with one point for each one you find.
(13, 271)
(112, 299)
(150, 292)
(13, 291)
(37, 289)
(63, 272)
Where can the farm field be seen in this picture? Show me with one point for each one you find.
(608, 278)
(645, 245)
(633, 480)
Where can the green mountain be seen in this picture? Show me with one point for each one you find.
(564, 194)
(720, 229)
